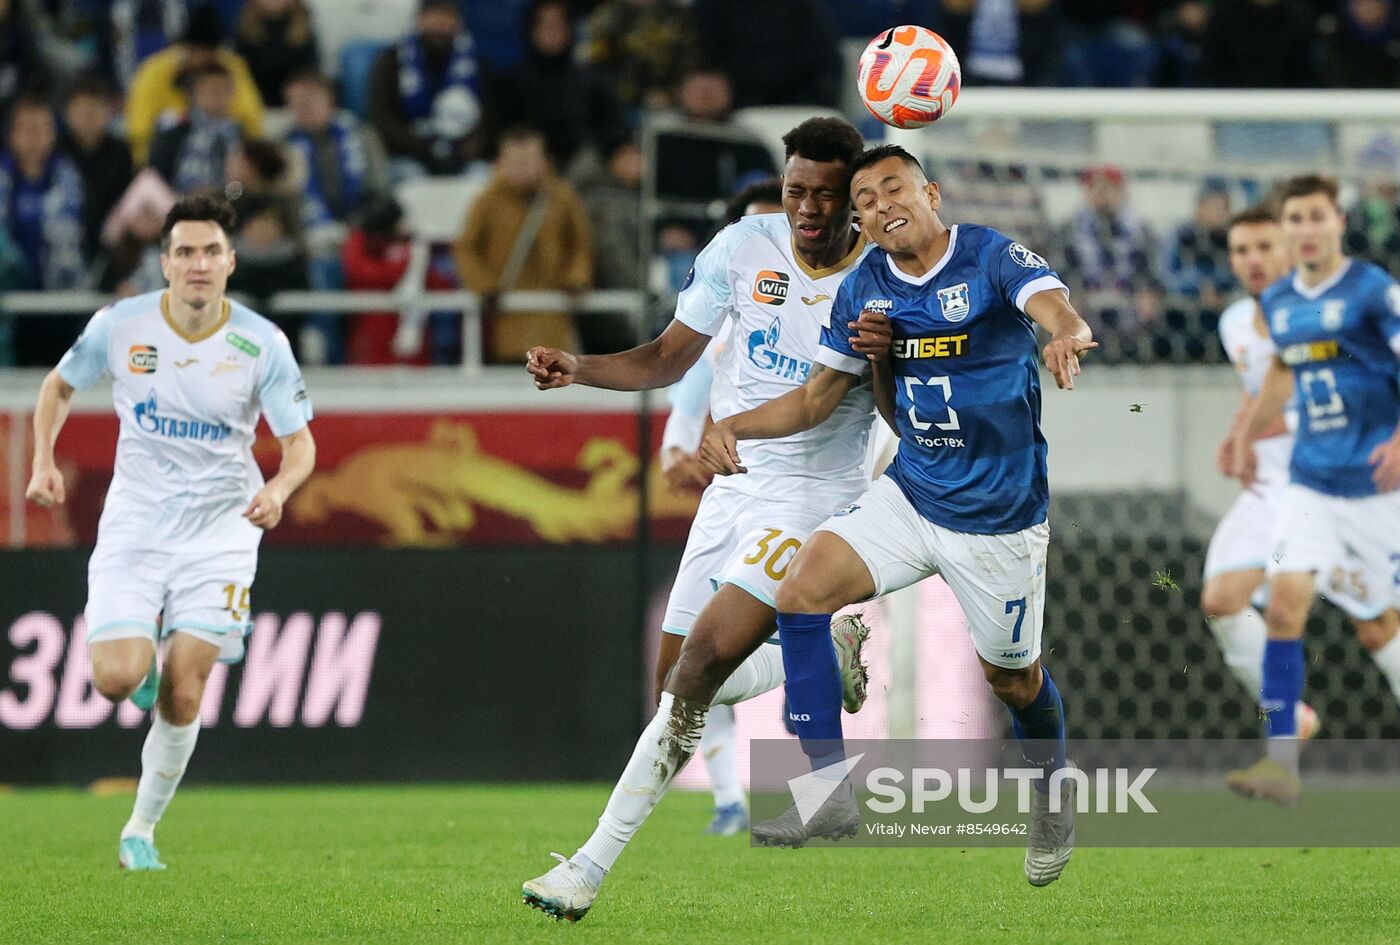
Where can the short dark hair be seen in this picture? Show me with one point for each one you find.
(769, 190)
(1259, 213)
(204, 28)
(205, 208)
(30, 101)
(824, 140)
(517, 134)
(1305, 185)
(876, 155)
(217, 69)
(91, 85)
(312, 76)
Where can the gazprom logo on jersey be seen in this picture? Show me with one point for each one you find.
(764, 353)
(770, 287)
(149, 419)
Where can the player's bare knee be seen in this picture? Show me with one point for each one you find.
(1373, 634)
(1217, 600)
(801, 593)
(116, 682)
(180, 699)
(1014, 687)
(1285, 617)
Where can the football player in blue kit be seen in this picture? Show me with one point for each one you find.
(966, 496)
(1335, 322)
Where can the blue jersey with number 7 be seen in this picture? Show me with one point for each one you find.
(1339, 339)
(967, 378)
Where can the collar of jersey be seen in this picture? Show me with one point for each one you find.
(1317, 291)
(845, 262)
(928, 276)
(192, 339)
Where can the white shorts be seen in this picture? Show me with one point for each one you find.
(998, 579)
(744, 540)
(207, 596)
(1244, 539)
(1352, 545)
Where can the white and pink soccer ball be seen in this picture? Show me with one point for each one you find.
(909, 77)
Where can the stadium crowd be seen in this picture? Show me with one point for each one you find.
(116, 106)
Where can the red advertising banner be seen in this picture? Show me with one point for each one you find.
(422, 479)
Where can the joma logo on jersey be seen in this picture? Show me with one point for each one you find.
(1307, 351)
(141, 359)
(764, 353)
(939, 346)
(770, 287)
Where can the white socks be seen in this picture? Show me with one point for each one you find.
(761, 672)
(163, 759)
(719, 747)
(666, 744)
(1388, 661)
(1242, 637)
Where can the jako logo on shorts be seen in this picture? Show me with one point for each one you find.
(141, 359)
(771, 287)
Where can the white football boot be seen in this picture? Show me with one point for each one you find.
(1052, 835)
(565, 892)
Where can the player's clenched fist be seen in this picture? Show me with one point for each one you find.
(719, 451)
(1062, 358)
(265, 510)
(551, 367)
(871, 335)
(45, 487)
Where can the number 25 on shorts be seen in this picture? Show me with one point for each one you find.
(774, 555)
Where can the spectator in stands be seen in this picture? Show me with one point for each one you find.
(278, 40)
(160, 91)
(425, 96)
(614, 200)
(527, 231)
(102, 158)
(1199, 259)
(1240, 29)
(573, 105)
(768, 49)
(134, 30)
(1373, 225)
(706, 95)
(1361, 46)
(41, 199)
(644, 46)
(22, 68)
(344, 160)
(1111, 254)
(267, 238)
(1180, 36)
(191, 155)
(378, 257)
(131, 237)
(1002, 42)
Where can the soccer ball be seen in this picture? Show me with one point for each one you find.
(909, 77)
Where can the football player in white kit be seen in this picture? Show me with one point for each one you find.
(1240, 547)
(768, 281)
(177, 544)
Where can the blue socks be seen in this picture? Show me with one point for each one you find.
(813, 685)
(1040, 728)
(1283, 687)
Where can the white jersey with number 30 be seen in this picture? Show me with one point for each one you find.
(750, 274)
(188, 408)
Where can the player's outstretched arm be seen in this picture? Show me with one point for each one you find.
(298, 460)
(1263, 415)
(1070, 335)
(657, 363)
(50, 413)
(795, 411)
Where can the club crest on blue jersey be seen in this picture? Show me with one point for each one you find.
(955, 302)
(1333, 311)
(764, 353)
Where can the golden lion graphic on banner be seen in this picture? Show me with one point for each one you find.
(427, 493)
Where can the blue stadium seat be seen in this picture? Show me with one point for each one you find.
(356, 64)
(495, 25)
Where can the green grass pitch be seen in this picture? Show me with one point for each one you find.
(444, 864)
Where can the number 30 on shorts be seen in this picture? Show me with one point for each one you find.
(773, 554)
